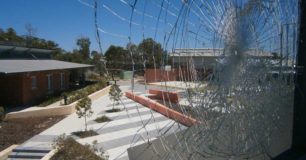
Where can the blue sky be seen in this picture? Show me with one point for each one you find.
(63, 21)
(60, 20)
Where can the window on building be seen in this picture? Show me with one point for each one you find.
(33, 82)
(62, 81)
(50, 85)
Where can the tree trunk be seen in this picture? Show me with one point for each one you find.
(85, 123)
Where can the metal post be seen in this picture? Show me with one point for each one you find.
(281, 51)
(299, 125)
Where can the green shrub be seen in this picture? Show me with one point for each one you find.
(76, 95)
(49, 101)
(68, 149)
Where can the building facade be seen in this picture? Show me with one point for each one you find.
(32, 87)
(27, 81)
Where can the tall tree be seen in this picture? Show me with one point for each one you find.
(11, 36)
(31, 32)
(115, 57)
(84, 44)
(2, 37)
(132, 53)
(98, 61)
(152, 52)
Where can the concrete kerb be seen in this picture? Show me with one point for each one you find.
(170, 113)
(49, 155)
(54, 110)
(4, 154)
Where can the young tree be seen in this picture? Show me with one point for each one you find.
(115, 94)
(83, 109)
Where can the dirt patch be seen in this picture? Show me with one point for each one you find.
(18, 131)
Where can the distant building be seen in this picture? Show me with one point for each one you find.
(28, 75)
(207, 58)
(198, 63)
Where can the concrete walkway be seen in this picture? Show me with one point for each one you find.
(134, 125)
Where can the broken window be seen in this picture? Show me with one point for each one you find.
(234, 61)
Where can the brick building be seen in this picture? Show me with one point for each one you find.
(30, 75)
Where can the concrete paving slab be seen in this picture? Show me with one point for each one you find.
(135, 124)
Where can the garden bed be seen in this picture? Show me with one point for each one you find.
(113, 110)
(84, 134)
(102, 119)
(19, 130)
(75, 95)
(69, 149)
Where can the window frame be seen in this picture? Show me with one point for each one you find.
(49, 83)
(33, 82)
(62, 79)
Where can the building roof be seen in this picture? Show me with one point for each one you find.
(18, 52)
(213, 52)
(21, 66)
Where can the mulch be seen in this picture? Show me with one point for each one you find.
(18, 131)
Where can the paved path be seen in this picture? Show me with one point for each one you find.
(134, 125)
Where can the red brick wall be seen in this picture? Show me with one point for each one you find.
(158, 75)
(164, 110)
(180, 74)
(166, 95)
(19, 89)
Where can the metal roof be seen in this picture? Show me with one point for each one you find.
(17, 52)
(4, 48)
(213, 52)
(20, 66)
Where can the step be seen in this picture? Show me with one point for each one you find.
(23, 159)
(28, 153)
(31, 150)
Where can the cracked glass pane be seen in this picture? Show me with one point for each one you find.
(231, 63)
